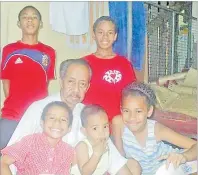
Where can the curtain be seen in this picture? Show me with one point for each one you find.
(118, 11)
(138, 34)
(123, 16)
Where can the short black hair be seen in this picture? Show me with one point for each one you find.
(32, 7)
(90, 110)
(60, 104)
(104, 18)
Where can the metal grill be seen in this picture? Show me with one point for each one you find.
(171, 38)
(194, 43)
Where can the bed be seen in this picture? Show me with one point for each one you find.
(177, 102)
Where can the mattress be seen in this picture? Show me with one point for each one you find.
(181, 123)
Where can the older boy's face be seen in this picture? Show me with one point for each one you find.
(56, 123)
(105, 34)
(97, 128)
(29, 21)
(75, 84)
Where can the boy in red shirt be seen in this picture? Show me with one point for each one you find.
(43, 153)
(111, 72)
(26, 68)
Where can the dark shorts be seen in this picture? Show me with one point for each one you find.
(7, 128)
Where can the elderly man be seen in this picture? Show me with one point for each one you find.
(75, 75)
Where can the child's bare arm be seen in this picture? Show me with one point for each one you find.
(164, 133)
(191, 153)
(6, 161)
(86, 165)
(117, 129)
(167, 134)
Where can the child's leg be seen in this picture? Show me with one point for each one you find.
(134, 166)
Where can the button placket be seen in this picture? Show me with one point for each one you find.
(51, 157)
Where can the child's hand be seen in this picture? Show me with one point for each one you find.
(100, 148)
(175, 158)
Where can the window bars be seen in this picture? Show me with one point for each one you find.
(172, 38)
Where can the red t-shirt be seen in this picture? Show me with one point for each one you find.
(108, 79)
(29, 68)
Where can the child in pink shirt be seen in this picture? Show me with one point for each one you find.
(43, 153)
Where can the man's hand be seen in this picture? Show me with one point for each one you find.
(175, 158)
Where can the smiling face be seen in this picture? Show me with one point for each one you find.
(105, 34)
(75, 84)
(29, 21)
(97, 127)
(56, 123)
(135, 112)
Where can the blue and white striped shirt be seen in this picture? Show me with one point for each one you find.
(147, 156)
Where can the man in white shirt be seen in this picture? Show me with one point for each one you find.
(75, 75)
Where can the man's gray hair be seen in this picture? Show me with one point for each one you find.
(65, 65)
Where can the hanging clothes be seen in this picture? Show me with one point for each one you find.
(86, 41)
(71, 18)
(63, 20)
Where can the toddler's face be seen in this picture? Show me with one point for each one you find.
(97, 128)
(135, 112)
(56, 123)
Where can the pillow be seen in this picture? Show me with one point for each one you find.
(191, 78)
